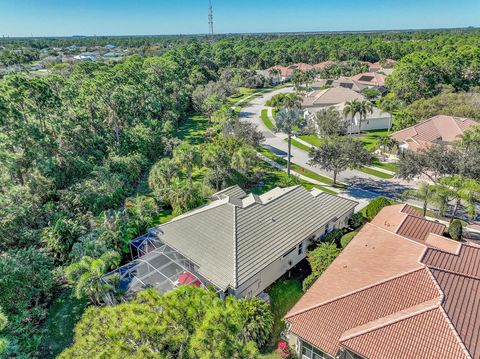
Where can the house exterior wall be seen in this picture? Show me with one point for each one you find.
(268, 275)
(371, 124)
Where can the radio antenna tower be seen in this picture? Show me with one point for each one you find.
(210, 18)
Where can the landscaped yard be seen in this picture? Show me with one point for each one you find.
(299, 145)
(375, 173)
(63, 314)
(283, 296)
(369, 138)
(311, 139)
(390, 166)
(243, 93)
(303, 171)
(274, 177)
(266, 120)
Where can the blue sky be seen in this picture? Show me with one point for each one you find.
(138, 17)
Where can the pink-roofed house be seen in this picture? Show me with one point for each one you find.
(439, 129)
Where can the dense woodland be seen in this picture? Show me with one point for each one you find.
(92, 154)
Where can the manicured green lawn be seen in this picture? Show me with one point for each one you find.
(311, 139)
(63, 314)
(271, 355)
(283, 296)
(299, 145)
(375, 173)
(266, 120)
(347, 238)
(390, 166)
(163, 217)
(369, 138)
(243, 93)
(193, 130)
(298, 169)
(273, 177)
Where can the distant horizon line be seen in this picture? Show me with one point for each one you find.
(324, 32)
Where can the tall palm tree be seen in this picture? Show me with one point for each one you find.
(162, 174)
(389, 104)
(426, 193)
(188, 157)
(365, 107)
(86, 275)
(288, 120)
(292, 101)
(351, 109)
(461, 190)
(274, 73)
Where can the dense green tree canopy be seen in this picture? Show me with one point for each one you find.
(186, 323)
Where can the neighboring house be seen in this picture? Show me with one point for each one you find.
(362, 81)
(284, 73)
(110, 47)
(337, 97)
(301, 66)
(398, 290)
(440, 129)
(348, 83)
(370, 79)
(322, 65)
(382, 66)
(86, 57)
(112, 54)
(315, 100)
(377, 120)
(238, 243)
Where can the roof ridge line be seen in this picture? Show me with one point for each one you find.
(406, 238)
(402, 221)
(455, 332)
(206, 207)
(355, 291)
(423, 308)
(235, 252)
(445, 314)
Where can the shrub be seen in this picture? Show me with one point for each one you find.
(376, 206)
(320, 258)
(333, 236)
(455, 230)
(356, 220)
(347, 238)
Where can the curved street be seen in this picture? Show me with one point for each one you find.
(360, 185)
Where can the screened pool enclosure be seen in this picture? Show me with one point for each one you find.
(154, 265)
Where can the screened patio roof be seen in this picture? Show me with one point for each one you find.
(161, 268)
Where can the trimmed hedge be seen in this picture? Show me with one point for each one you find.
(375, 206)
(455, 230)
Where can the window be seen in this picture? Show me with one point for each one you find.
(310, 352)
(300, 248)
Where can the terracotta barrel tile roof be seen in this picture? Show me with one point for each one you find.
(438, 128)
(462, 305)
(419, 228)
(323, 326)
(410, 338)
(392, 294)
